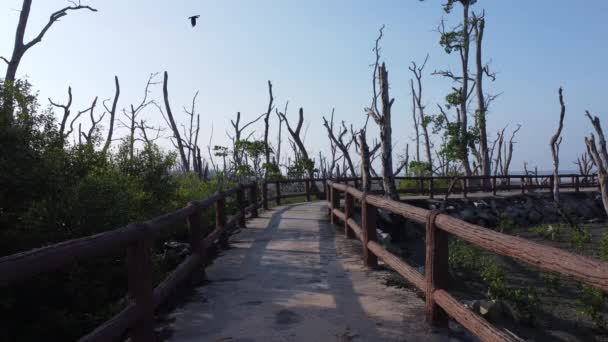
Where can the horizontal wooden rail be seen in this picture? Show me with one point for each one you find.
(136, 239)
(427, 185)
(439, 302)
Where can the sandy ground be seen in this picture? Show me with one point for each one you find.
(290, 276)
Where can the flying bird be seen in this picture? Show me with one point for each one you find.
(193, 19)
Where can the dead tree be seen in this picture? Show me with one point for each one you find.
(415, 119)
(66, 113)
(132, 114)
(21, 47)
(112, 112)
(89, 137)
(280, 133)
(423, 120)
(554, 143)
(238, 132)
(383, 120)
(266, 127)
(600, 158)
(585, 166)
(339, 142)
(366, 184)
(173, 126)
(299, 143)
(485, 161)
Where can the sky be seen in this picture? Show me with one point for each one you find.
(317, 53)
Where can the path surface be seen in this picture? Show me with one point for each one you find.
(290, 276)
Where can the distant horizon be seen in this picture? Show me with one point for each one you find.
(317, 56)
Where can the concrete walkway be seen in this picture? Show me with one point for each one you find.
(290, 276)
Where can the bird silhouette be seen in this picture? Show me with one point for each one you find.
(193, 19)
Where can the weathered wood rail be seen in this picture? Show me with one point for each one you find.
(439, 303)
(432, 186)
(137, 318)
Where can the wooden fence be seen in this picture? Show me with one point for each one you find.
(432, 186)
(439, 303)
(138, 316)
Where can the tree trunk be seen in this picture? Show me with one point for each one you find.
(554, 143)
(174, 127)
(388, 179)
(482, 110)
(464, 92)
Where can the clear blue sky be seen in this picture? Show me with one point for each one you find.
(317, 54)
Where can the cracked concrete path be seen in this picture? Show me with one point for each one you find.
(291, 276)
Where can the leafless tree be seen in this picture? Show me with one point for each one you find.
(132, 116)
(383, 120)
(112, 112)
(89, 137)
(238, 133)
(600, 158)
(585, 165)
(298, 142)
(479, 26)
(423, 120)
(66, 113)
(366, 185)
(280, 133)
(173, 126)
(415, 119)
(338, 141)
(21, 47)
(266, 128)
(554, 143)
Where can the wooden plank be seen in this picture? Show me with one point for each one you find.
(405, 270)
(139, 276)
(356, 228)
(349, 206)
(26, 264)
(436, 270)
(473, 322)
(240, 202)
(114, 328)
(368, 219)
(587, 270)
(220, 221)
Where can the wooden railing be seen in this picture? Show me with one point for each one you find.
(432, 186)
(138, 316)
(439, 303)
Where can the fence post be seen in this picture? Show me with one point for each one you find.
(240, 202)
(197, 231)
(253, 198)
(328, 197)
(265, 195)
(278, 185)
(356, 183)
(577, 187)
(368, 220)
(436, 269)
(464, 187)
(523, 185)
(139, 277)
(551, 183)
(431, 190)
(220, 220)
(307, 188)
(349, 204)
(335, 204)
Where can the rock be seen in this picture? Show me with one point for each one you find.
(468, 215)
(534, 217)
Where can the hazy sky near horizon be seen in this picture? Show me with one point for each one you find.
(317, 55)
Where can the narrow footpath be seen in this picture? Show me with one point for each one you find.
(291, 276)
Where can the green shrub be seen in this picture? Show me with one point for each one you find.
(594, 305)
(580, 237)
